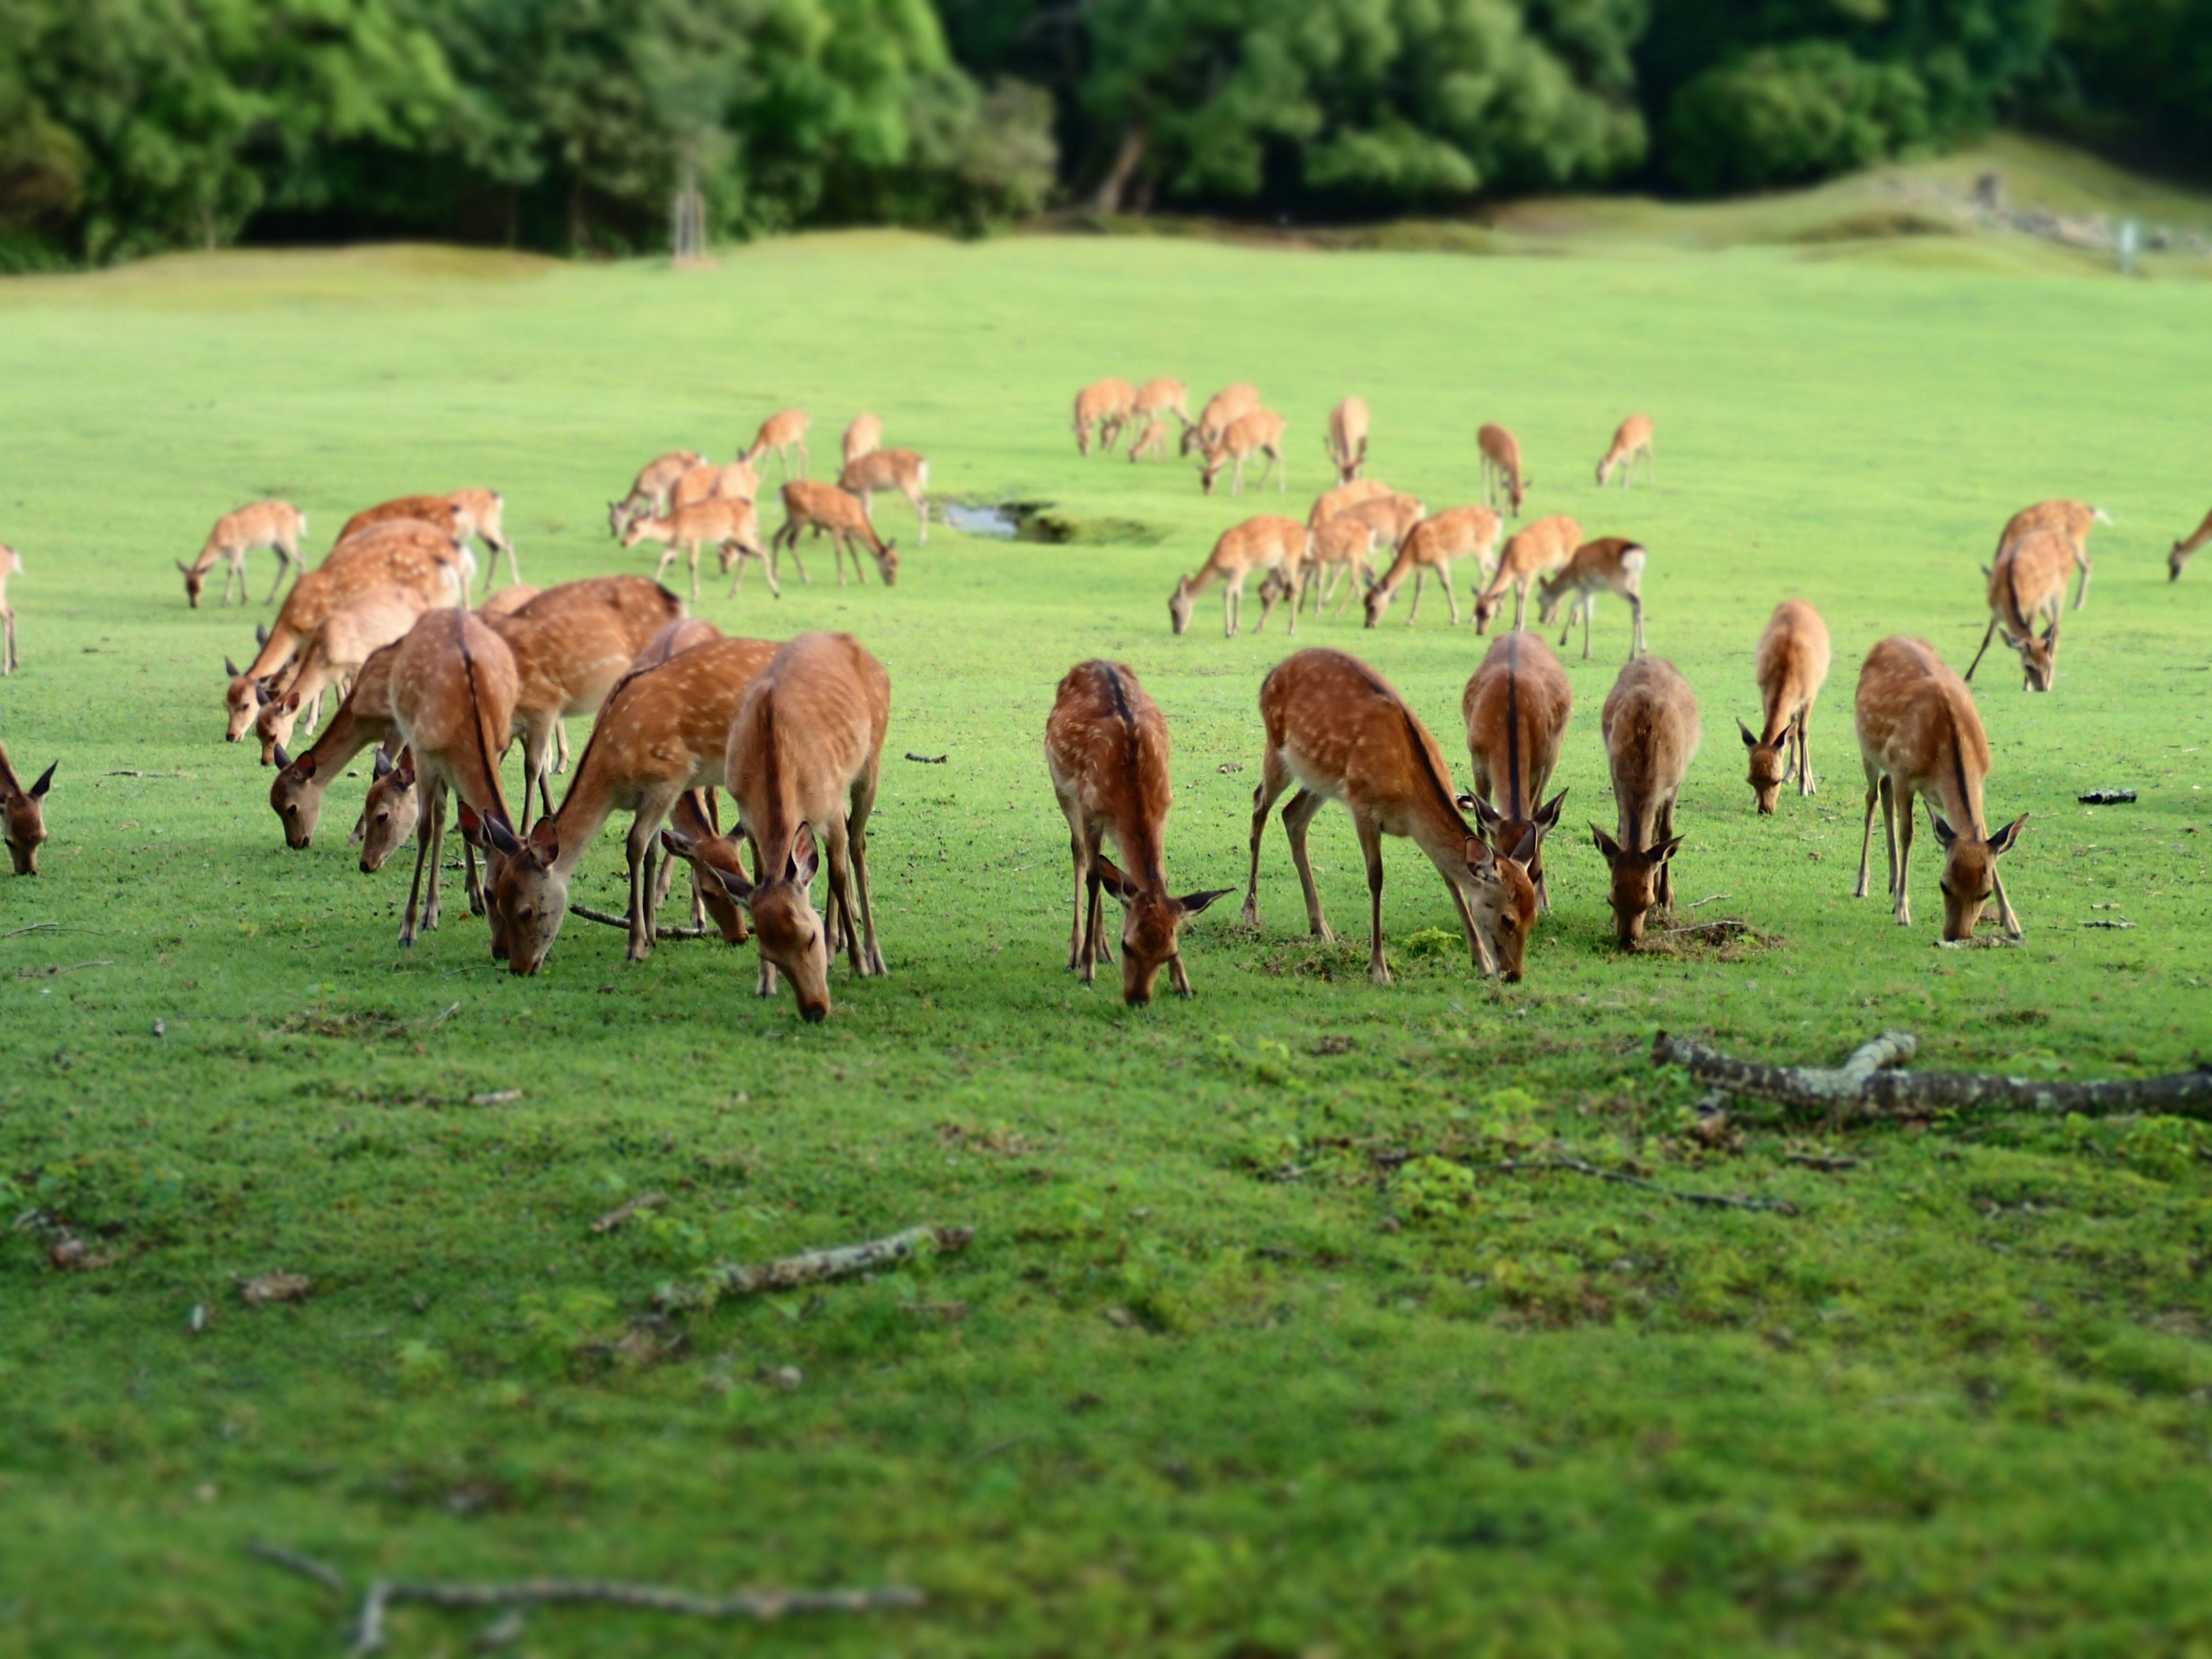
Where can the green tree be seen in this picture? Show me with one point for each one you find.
(2140, 74)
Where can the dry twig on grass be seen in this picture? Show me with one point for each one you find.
(737, 1278)
(637, 1206)
(608, 919)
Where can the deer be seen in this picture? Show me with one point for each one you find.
(1106, 406)
(2072, 519)
(729, 525)
(890, 469)
(1339, 549)
(277, 525)
(1530, 556)
(864, 437)
(1262, 544)
(650, 492)
(1154, 401)
(1106, 747)
(1920, 734)
(1792, 666)
(783, 432)
(1516, 709)
(23, 814)
(334, 653)
(819, 507)
(1631, 441)
(662, 734)
(1259, 431)
(1503, 481)
(1650, 726)
(1223, 409)
(1333, 503)
(707, 482)
(404, 554)
(1610, 564)
(1339, 731)
(363, 720)
(424, 510)
(1393, 515)
(2028, 582)
(1432, 546)
(11, 564)
(2179, 555)
(505, 603)
(485, 512)
(1346, 438)
(804, 750)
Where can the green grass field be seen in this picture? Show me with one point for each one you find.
(1212, 1378)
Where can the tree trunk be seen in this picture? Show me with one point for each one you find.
(1135, 142)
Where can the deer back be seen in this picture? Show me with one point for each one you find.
(1162, 396)
(1331, 504)
(453, 688)
(1102, 399)
(864, 435)
(882, 469)
(572, 641)
(1344, 728)
(1108, 745)
(807, 727)
(1455, 533)
(1918, 724)
(1516, 708)
(1226, 406)
(2027, 576)
(429, 509)
(1791, 663)
(1650, 726)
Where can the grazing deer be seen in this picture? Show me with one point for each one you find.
(454, 684)
(1339, 730)
(1394, 516)
(1516, 709)
(1262, 544)
(728, 525)
(864, 437)
(506, 601)
(707, 482)
(1610, 564)
(1336, 501)
(1920, 734)
(2072, 519)
(11, 564)
(663, 733)
(890, 469)
(1107, 406)
(363, 720)
(1432, 546)
(1154, 401)
(1223, 409)
(404, 554)
(1346, 438)
(2028, 582)
(1792, 666)
(1650, 726)
(23, 814)
(1503, 481)
(1530, 556)
(804, 750)
(485, 512)
(783, 432)
(1339, 551)
(2179, 555)
(820, 507)
(650, 492)
(1106, 746)
(333, 655)
(1632, 440)
(277, 525)
(423, 509)
(1260, 432)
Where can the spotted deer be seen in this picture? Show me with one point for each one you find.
(891, 469)
(277, 525)
(332, 656)
(730, 527)
(734, 481)
(23, 814)
(1611, 564)
(864, 437)
(1530, 556)
(1504, 484)
(484, 513)
(2178, 556)
(1104, 406)
(1651, 726)
(2072, 519)
(1106, 747)
(1347, 438)
(1920, 734)
(11, 564)
(422, 509)
(782, 432)
(1331, 504)
(1261, 433)
(1516, 709)
(2027, 583)
(1632, 443)
(824, 508)
(1223, 409)
(1338, 552)
(1430, 547)
(650, 492)
(1154, 401)
(1394, 516)
(1339, 732)
(1262, 544)
(1792, 666)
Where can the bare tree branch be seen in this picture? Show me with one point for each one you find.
(737, 1278)
(611, 920)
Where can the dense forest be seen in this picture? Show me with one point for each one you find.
(128, 126)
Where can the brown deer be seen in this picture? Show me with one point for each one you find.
(277, 525)
(1632, 441)
(1339, 732)
(663, 733)
(1650, 726)
(1393, 515)
(334, 653)
(650, 492)
(1106, 745)
(1334, 502)
(1430, 547)
(1504, 484)
(363, 720)
(2072, 519)
(505, 603)
(422, 509)
(783, 432)
(1792, 666)
(2028, 582)
(1259, 433)
(890, 469)
(1346, 438)
(864, 437)
(1154, 401)
(1262, 544)
(23, 814)
(707, 482)
(484, 513)
(821, 507)
(804, 750)
(11, 564)
(1530, 556)
(1223, 409)
(2177, 558)
(1339, 551)
(729, 525)
(1611, 564)
(1106, 406)
(1920, 734)
(1516, 709)
(403, 553)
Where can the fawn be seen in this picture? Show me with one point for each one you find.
(1792, 666)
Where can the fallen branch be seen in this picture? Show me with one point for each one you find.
(764, 1607)
(737, 1278)
(927, 760)
(612, 921)
(292, 1561)
(1575, 1165)
(34, 928)
(1862, 1088)
(637, 1206)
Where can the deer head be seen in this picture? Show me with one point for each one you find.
(887, 561)
(242, 699)
(1151, 930)
(1635, 882)
(2038, 657)
(1969, 871)
(1179, 604)
(1770, 767)
(393, 810)
(1502, 899)
(1487, 607)
(1549, 591)
(273, 724)
(1520, 839)
(529, 897)
(785, 922)
(195, 581)
(22, 815)
(296, 796)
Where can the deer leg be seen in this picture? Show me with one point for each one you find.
(2005, 913)
(1232, 607)
(415, 888)
(1297, 817)
(695, 573)
(863, 804)
(1413, 611)
(1370, 849)
(2081, 593)
(1444, 581)
(472, 880)
(1079, 855)
(1666, 833)
(1475, 948)
(1988, 633)
(283, 564)
(1177, 976)
(433, 908)
(1520, 606)
(1274, 778)
(561, 738)
(1636, 610)
(1889, 832)
(638, 848)
(1904, 809)
(667, 558)
(1236, 478)
(1806, 786)
(1866, 842)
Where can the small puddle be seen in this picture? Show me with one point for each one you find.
(983, 518)
(1041, 521)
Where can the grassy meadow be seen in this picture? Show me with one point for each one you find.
(1220, 1374)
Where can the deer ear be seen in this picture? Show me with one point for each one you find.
(292, 703)
(261, 692)
(1606, 844)
(544, 843)
(283, 760)
(472, 825)
(381, 770)
(677, 844)
(261, 633)
(230, 668)
(1487, 816)
(1191, 904)
(806, 859)
(2000, 844)
(1666, 850)
(182, 566)
(502, 836)
(1547, 815)
(1945, 835)
(1749, 741)
(45, 782)
(1525, 853)
(1111, 878)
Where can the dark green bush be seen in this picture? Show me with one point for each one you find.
(1790, 114)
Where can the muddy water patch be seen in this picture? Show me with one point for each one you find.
(1043, 521)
